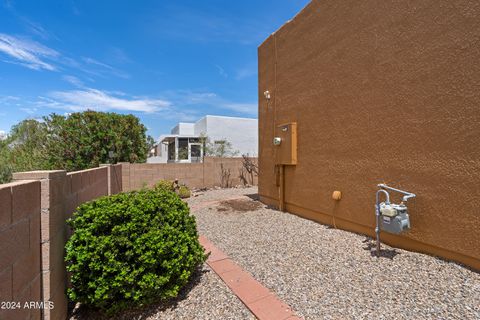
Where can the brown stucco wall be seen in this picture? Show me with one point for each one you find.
(382, 92)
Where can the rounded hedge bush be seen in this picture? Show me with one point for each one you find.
(131, 249)
(165, 185)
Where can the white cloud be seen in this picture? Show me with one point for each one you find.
(75, 9)
(178, 105)
(103, 68)
(118, 55)
(37, 29)
(8, 4)
(3, 135)
(206, 26)
(199, 97)
(221, 71)
(8, 99)
(29, 110)
(93, 99)
(96, 62)
(187, 98)
(247, 108)
(36, 56)
(245, 72)
(33, 27)
(27, 52)
(73, 80)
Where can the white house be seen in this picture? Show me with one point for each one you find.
(185, 141)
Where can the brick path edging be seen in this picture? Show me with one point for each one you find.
(263, 303)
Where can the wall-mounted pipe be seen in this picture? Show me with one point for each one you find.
(377, 215)
(281, 189)
(407, 195)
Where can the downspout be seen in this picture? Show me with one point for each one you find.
(281, 167)
(281, 188)
(278, 169)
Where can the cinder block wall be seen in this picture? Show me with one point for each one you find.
(115, 177)
(20, 273)
(60, 194)
(33, 229)
(222, 171)
(382, 92)
(194, 175)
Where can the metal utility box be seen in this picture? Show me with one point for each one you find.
(285, 142)
(394, 218)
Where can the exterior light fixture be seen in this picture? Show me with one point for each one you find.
(267, 95)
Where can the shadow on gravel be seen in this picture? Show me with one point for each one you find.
(384, 253)
(256, 197)
(239, 205)
(253, 196)
(85, 313)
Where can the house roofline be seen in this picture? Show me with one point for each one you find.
(285, 24)
(229, 117)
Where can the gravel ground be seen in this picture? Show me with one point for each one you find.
(205, 298)
(325, 273)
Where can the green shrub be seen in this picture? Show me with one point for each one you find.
(165, 185)
(184, 192)
(131, 249)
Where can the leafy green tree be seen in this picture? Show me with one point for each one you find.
(219, 148)
(84, 140)
(78, 141)
(5, 167)
(150, 143)
(24, 149)
(27, 145)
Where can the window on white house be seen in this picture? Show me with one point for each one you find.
(183, 149)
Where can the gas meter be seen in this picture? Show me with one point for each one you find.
(394, 218)
(390, 217)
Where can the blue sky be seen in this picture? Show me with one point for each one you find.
(164, 61)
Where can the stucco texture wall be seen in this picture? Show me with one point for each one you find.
(242, 133)
(383, 92)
